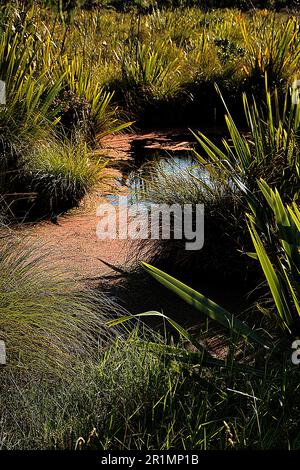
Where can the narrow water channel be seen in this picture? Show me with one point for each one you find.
(177, 161)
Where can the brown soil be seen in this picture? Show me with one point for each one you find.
(73, 243)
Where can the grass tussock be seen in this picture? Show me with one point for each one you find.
(47, 321)
(60, 174)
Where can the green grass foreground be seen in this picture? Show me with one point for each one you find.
(135, 396)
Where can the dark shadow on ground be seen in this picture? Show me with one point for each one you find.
(138, 292)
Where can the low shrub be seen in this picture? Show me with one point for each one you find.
(60, 174)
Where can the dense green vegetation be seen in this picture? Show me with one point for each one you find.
(146, 5)
(158, 68)
(79, 375)
(139, 398)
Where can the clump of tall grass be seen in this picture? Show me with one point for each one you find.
(269, 150)
(150, 78)
(46, 319)
(26, 116)
(166, 180)
(271, 48)
(173, 183)
(83, 103)
(60, 174)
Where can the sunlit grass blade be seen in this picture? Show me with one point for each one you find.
(271, 277)
(205, 305)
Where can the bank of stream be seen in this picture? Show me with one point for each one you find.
(112, 265)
